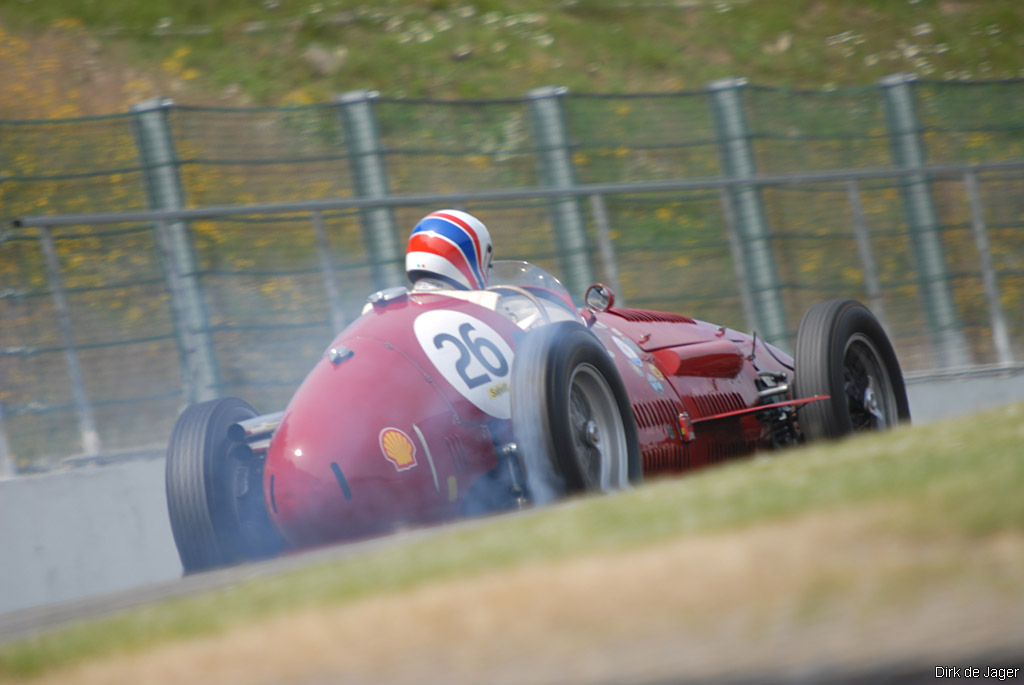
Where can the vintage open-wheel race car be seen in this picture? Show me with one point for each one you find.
(448, 403)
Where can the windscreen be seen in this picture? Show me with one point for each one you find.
(533, 278)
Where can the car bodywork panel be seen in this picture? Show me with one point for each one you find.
(707, 372)
(397, 428)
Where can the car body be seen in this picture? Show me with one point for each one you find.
(436, 404)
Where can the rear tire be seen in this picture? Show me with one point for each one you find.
(571, 416)
(215, 490)
(842, 351)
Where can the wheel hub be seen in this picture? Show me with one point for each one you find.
(591, 433)
(866, 387)
(871, 404)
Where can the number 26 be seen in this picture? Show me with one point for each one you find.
(469, 350)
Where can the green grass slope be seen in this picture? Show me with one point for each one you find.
(298, 51)
(945, 487)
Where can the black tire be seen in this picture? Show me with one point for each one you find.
(215, 490)
(842, 351)
(571, 416)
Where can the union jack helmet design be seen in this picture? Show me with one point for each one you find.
(450, 245)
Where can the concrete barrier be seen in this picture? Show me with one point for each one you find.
(82, 532)
(959, 393)
(96, 529)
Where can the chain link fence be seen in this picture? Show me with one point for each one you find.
(172, 253)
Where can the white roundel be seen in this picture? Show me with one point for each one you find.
(471, 356)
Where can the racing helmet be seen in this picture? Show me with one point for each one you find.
(451, 246)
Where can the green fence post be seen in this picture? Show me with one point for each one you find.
(155, 141)
(739, 267)
(752, 227)
(989, 276)
(602, 225)
(362, 136)
(908, 151)
(862, 237)
(86, 422)
(8, 468)
(555, 156)
(335, 308)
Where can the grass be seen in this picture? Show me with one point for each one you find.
(959, 480)
(483, 48)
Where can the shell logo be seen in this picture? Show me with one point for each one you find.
(398, 448)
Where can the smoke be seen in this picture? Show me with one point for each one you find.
(534, 377)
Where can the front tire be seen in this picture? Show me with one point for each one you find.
(571, 416)
(842, 351)
(214, 490)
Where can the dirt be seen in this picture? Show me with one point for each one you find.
(835, 592)
(63, 72)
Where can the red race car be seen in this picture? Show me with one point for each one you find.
(446, 403)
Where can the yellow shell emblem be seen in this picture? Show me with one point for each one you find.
(398, 448)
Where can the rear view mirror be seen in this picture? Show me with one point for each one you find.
(599, 297)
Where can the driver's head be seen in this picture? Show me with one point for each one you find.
(452, 246)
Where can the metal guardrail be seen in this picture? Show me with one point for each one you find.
(510, 194)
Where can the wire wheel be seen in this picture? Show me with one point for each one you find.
(870, 399)
(571, 416)
(843, 352)
(599, 436)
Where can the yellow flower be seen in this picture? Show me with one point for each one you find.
(299, 96)
(978, 140)
(67, 23)
(851, 273)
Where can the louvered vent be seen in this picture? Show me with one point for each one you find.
(663, 456)
(722, 449)
(458, 452)
(658, 413)
(647, 315)
(718, 403)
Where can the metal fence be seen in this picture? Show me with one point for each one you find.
(173, 253)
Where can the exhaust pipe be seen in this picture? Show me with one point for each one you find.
(256, 429)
